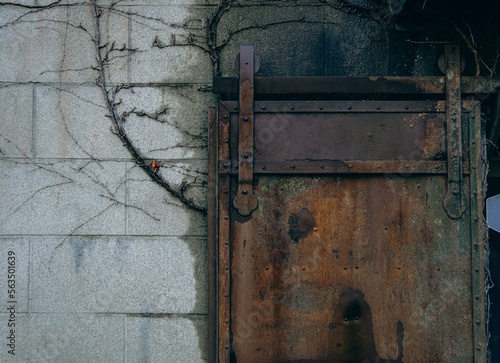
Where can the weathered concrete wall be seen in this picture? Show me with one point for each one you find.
(109, 265)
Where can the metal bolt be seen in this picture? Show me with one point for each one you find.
(455, 192)
(226, 268)
(225, 218)
(455, 154)
(225, 116)
(407, 107)
(226, 165)
(475, 218)
(267, 268)
(473, 143)
(438, 268)
(474, 192)
(263, 107)
(292, 108)
(349, 107)
(476, 244)
(226, 243)
(473, 167)
(245, 155)
(478, 322)
(478, 348)
(320, 107)
(244, 192)
(477, 297)
(349, 166)
(226, 295)
(235, 108)
(378, 107)
(227, 321)
(245, 118)
(263, 167)
(227, 347)
(293, 166)
(476, 269)
(407, 166)
(322, 167)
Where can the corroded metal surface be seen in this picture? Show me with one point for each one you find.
(320, 252)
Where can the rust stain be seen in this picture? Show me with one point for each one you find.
(301, 224)
(351, 332)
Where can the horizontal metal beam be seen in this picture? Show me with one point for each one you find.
(357, 85)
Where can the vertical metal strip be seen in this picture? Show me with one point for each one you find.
(454, 202)
(224, 343)
(476, 205)
(245, 200)
(212, 234)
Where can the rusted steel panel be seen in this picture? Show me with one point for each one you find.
(363, 267)
(289, 134)
(356, 85)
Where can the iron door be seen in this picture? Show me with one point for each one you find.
(362, 246)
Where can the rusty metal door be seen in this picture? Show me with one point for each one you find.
(346, 231)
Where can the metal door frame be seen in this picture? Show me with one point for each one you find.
(222, 166)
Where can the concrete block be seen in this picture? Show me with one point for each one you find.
(70, 122)
(16, 111)
(62, 197)
(167, 122)
(152, 210)
(166, 339)
(78, 338)
(15, 257)
(184, 27)
(354, 53)
(47, 45)
(288, 40)
(137, 275)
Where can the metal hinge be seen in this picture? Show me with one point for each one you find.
(245, 201)
(454, 202)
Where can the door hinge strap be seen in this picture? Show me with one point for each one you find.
(454, 202)
(245, 201)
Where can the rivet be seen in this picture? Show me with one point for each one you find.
(293, 166)
(267, 268)
(226, 243)
(349, 166)
(473, 143)
(225, 218)
(478, 348)
(477, 297)
(320, 107)
(235, 108)
(473, 167)
(226, 268)
(226, 165)
(455, 192)
(407, 107)
(227, 347)
(438, 268)
(474, 192)
(245, 155)
(476, 244)
(322, 167)
(245, 118)
(227, 321)
(303, 268)
(356, 318)
(225, 116)
(263, 107)
(378, 107)
(476, 269)
(226, 139)
(478, 322)
(379, 166)
(263, 166)
(407, 166)
(345, 319)
(226, 295)
(292, 107)
(244, 192)
(349, 107)
(399, 267)
(475, 218)
(455, 154)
